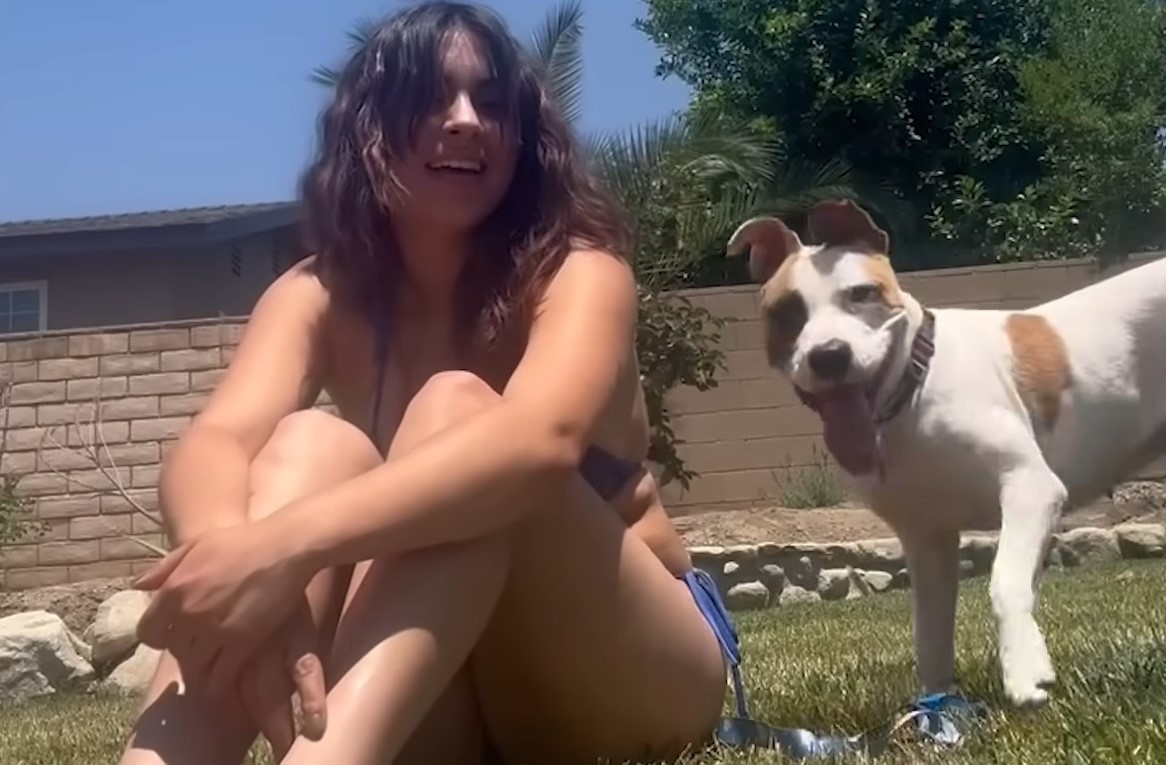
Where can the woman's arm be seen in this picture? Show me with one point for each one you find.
(203, 484)
(483, 474)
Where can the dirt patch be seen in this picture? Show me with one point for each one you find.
(1142, 502)
(779, 524)
(76, 603)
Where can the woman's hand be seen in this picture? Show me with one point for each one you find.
(218, 597)
(287, 664)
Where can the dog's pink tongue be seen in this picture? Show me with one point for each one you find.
(849, 428)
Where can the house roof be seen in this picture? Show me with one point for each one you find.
(148, 219)
(130, 231)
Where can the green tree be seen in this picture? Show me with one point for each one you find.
(1012, 128)
(1094, 100)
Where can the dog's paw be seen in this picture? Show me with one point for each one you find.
(1025, 695)
(1043, 670)
(1027, 666)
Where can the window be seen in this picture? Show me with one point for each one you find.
(22, 307)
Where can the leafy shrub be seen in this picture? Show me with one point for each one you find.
(812, 487)
(677, 345)
(17, 521)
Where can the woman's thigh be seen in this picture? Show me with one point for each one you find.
(595, 645)
(308, 451)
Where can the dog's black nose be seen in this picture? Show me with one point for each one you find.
(831, 359)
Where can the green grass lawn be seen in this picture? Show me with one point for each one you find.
(845, 667)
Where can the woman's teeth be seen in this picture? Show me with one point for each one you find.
(460, 166)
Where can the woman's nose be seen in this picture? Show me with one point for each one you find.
(462, 117)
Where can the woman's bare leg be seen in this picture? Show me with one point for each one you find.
(596, 651)
(627, 664)
(402, 696)
(308, 451)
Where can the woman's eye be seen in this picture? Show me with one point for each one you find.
(863, 293)
(490, 103)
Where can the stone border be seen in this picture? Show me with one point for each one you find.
(752, 577)
(39, 655)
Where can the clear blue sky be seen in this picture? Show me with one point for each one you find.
(111, 106)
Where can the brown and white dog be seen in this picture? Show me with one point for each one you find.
(953, 420)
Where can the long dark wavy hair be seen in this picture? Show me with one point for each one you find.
(386, 87)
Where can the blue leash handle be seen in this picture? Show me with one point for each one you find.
(939, 715)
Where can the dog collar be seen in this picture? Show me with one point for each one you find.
(922, 349)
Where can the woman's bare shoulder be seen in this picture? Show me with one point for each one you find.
(609, 273)
(305, 279)
(280, 361)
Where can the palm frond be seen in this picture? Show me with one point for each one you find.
(358, 36)
(361, 32)
(711, 154)
(713, 149)
(325, 75)
(683, 182)
(557, 44)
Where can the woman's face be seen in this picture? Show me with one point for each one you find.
(464, 156)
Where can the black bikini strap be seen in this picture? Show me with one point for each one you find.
(380, 333)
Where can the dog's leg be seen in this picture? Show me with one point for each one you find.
(933, 563)
(1031, 500)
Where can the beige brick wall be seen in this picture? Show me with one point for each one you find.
(148, 382)
(740, 436)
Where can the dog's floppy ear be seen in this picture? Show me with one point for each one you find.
(838, 223)
(768, 241)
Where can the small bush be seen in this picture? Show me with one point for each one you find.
(677, 345)
(812, 487)
(17, 521)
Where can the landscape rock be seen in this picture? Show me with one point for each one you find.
(747, 595)
(878, 554)
(710, 558)
(834, 583)
(878, 581)
(794, 595)
(1141, 540)
(1088, 544)
(113, 634)
(800, 571)
(773, 576)
(980, 552)
(805, 572)
(39, 657)
(135, 673)
(1139, 497)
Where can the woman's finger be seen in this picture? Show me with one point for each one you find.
(153, 577)
(275, 715)
(307, 672)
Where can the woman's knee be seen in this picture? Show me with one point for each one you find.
(444, 399)
(456, 391)
(311, 447)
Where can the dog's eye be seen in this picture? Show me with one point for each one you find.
(862, 293)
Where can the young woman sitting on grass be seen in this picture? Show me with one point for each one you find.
(471, 560)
